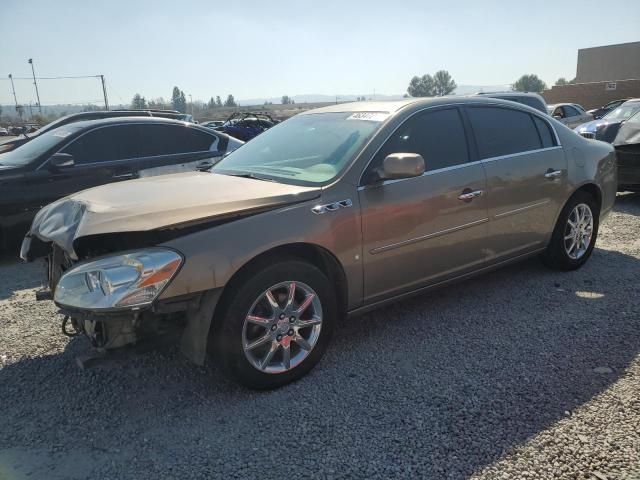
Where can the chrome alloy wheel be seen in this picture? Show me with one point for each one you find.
(578, 231)
(282, 327)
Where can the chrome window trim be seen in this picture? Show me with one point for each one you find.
(425, 174)
(519, 154)
(456, 167)
(131, 158)
(457, 105)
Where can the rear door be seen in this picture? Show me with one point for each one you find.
(172, 148)
(420, 230)
(526, 177)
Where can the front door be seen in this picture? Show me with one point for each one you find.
(526, 177)
(421, 230)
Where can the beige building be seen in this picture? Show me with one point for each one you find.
(603, 74)
(609, 63)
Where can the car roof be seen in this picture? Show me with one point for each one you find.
(510, 94)
(392, 106)
(126, 120)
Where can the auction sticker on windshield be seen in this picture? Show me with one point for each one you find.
(371, 116)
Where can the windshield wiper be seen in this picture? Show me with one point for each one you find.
(248, 175)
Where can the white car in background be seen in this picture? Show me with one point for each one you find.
(571, 114)
(4, 131)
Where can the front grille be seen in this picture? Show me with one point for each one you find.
(589, 135)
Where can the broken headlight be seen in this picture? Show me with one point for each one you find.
(124, 281)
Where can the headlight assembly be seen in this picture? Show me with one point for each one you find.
(129, 280)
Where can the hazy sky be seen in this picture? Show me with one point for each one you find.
(256, 49)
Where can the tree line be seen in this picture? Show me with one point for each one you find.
(441, 84)
(179, 102)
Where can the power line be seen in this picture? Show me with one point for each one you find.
(54, 78)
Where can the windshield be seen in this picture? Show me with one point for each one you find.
(26, 153)
(623, 111)
(306, 149)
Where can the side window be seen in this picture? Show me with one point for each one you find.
(200, 141)
(502, 131)
(105, 144)
(173, 139)
(438, 136)
(570, 111)
(546, 135)
(558, 112)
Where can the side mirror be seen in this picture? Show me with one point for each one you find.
(62, 160)
(401, 165)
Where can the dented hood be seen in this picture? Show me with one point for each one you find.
(160, 202)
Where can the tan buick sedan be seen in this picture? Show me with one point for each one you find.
(328, 214)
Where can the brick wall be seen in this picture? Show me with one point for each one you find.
(592, 95)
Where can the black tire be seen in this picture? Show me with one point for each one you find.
(226, 344)
(556, 256)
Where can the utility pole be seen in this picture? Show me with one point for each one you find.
(104, 92)
(191, 100)
(13, 89)
(36, 85)
(30, 111)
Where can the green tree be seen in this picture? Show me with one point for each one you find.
(562, 81)
(138, 102)
(443, 84)
(178, 100)
(0, 110)
(218, 101)
(230, 101)
(211, 104)
(421, 86)
(285, 100)
(529, 83)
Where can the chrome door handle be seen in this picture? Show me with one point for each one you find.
(124, 176)
(551, 174)
(467, 195)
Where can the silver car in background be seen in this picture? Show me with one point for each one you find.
(571, 114)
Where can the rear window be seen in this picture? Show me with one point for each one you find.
(502, 131)
(173, 139)
(546, 135)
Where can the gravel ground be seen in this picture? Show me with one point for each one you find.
(521, 373)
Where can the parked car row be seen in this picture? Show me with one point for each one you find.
(621, 128)
(331, 213)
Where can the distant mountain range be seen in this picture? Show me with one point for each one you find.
(318, 98)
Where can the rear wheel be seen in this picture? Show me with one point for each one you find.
(276, 326)
(575, 233)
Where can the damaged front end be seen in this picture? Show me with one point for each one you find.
(107, 286)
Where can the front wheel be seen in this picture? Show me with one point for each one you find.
(277, 324)
(575, 233)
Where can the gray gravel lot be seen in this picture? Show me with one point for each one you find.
(521, 373)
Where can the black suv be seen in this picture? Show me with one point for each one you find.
(85, 154)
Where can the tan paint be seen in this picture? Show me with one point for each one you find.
(396, 237)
